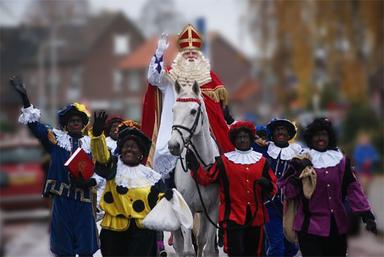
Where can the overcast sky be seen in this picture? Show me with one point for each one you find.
(223, 16)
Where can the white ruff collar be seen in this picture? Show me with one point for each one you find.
(64, 141)
(287, 153)
(135, 176)
(243, 157)
(325, 159)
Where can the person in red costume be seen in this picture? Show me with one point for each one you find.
(188, 66)
(245, 180)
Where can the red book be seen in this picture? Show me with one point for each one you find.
(79, 164)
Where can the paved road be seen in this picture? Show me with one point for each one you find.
(31, 238)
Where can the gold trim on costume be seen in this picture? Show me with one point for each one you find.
(51, 137)
(130, 124)
(217, 94)
(155, 128)
(189, 28)
(82, 108)
(52, 184)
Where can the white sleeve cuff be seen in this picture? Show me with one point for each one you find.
(29, 115)
(155, 78)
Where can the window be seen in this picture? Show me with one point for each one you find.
(117, 80)
(121, 44)
(77, 77)
(100, 104)
(74, 89)
(133, 111)
(73, 94)
(134, 81)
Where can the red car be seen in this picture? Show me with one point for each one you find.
(21, 174)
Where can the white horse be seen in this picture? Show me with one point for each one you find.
(191, 130)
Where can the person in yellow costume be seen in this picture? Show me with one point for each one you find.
(131, 190)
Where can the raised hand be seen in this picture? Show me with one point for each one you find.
(18, 85)
(300, 163)
(162, 45)
(99, 122)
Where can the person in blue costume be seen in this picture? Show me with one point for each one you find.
(279, 152)
(260, 144)
(73, 229)
(365, 155)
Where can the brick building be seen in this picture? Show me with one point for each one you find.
(83, 58)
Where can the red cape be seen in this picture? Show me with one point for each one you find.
(214, 95)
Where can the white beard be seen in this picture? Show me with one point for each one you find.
(186, 72)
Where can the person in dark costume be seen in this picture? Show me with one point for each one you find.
(245, 178)
(261, 141)
(131, 191)
(111, 132)
(72, 229)
(279, 153)
(321, 222)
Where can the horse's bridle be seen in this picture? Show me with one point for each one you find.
(191, 130)
(187, 142)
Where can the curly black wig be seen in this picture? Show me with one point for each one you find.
(109, 122)
(319, 124)
(143, 142)
(233, 134)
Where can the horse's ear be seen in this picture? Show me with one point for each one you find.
(177, 87)
(196, 88)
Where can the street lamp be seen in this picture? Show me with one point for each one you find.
(52, 46)
(53, 72)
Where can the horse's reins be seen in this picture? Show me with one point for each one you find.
(187, 142)
(248, 224)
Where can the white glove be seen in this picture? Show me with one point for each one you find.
(162, 45)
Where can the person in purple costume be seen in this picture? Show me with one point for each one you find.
(321, 222)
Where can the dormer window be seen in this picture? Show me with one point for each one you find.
(121, 44)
